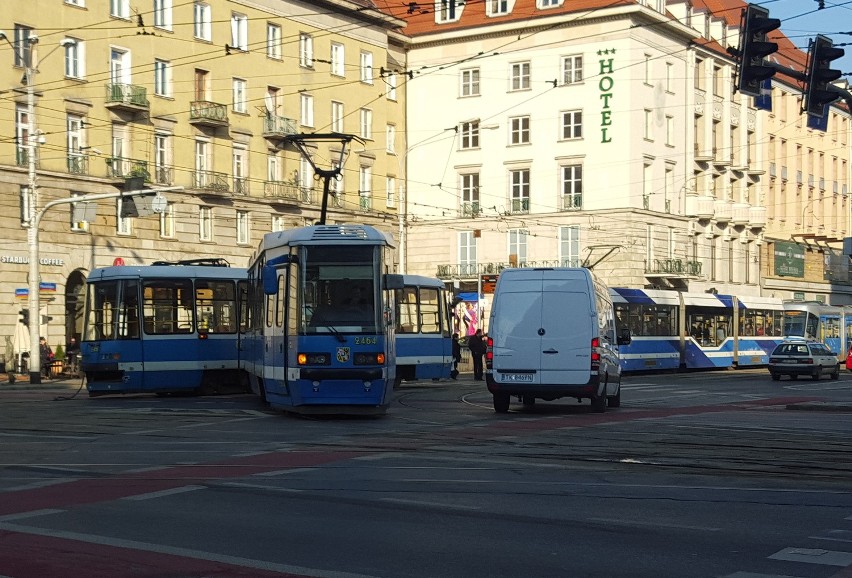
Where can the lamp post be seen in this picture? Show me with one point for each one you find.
(30, 217)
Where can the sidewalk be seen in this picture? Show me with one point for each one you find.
(22, 382)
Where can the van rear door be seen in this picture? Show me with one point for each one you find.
(567, 328)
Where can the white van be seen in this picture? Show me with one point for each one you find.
(552, 334)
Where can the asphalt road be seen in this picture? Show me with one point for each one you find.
(719, 475)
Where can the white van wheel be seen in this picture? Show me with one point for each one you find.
(528, 400)
(501, 402)
(615, 400)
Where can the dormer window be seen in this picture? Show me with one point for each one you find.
(498, 7)
(447, 11)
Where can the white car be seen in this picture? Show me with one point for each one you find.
(803, 357)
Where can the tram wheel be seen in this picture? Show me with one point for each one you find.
(501, 402)
(775, 376)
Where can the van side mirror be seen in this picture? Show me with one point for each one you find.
(624, 338)
(394, 281)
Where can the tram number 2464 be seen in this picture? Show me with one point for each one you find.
(366, 340)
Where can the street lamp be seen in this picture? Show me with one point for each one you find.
(30, 218)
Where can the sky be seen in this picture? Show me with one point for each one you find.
(803, 19)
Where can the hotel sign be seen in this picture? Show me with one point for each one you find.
(605, 85)
(789, 260)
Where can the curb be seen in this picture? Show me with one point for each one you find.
(836, 406)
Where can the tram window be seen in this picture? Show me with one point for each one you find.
(164, 306)
(430, 319)
(406, 310)
(128, 316)
(216, 306)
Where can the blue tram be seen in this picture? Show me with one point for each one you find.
(163, 328)
(423, 339)
(320, 335)
(679, 330)
(831, 324)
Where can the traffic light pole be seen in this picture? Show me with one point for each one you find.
(34, 278)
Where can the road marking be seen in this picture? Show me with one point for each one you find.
(753, 575)
(41, 484)
(33, 514)
(638, 524)
(441, 505)
(282, 472)
(814, 556)
(163, 493)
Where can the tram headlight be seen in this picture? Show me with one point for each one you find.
(368, 359)
(313, 359)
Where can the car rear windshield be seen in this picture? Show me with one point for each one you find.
(792, 349)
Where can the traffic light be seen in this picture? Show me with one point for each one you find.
(819, 75)
(25, 317)
(753, 68)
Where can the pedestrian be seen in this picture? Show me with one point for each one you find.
(476, 344)
(45, 355)
(72, 354)
(454, 373)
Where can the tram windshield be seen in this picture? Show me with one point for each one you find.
(340, 290)
(800, 324)
(112, 311)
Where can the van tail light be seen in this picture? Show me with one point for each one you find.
(596, 355)
(489, 352)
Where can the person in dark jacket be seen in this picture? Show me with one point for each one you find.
(477, 350)
(454, 373)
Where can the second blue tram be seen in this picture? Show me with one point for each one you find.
(320, 317)
(831, 324)
(163, 328)
(423, 339)
(679, 330)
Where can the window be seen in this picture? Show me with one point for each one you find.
(336, 186)
(569, 246)
(80, 3)
(647, 70)
(337, 61)
(243, 237)
(75, 59)
(162, 80)
(519, 130)
(163, 14)
(520, 190)
(520, 75)
(239, 31)
(390, 85)
(470, 194)
(572, 124)
(470, 135)
(445, 11)
(277, 223)
(366, 124)
(205, 224)
(167, 222)
(119, 66)
(365, 187)
(202, 162)
(22, 48)
(304, 177)
(77, 161)
(306, 50)
(22, 131)
(390, 133)
(572, 69)
(336, 116)
(123, 222)
(649, 125)
(367, 67)
(202, 18)
(240, 158)
(572, 187)
(518, 246)
(497, 7)
(669, 130)
(470, 82)
(240, 95)
(202, 85)
(467, 253)
(390, 190)
(162, 159)
(307, 108)
(119, 8)
(273, 167)
(548, 3)
(78, 223)
(273, 41)
(669, 77)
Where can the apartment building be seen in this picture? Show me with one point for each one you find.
(605, 134)
(196, 97)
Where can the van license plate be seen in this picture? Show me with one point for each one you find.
(528, 377)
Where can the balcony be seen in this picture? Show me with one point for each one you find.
(22, 158)
(470, 209)
(126, 97)
(210, 114)
(572, 202)
(241, 186)
(672, 269)
(705, 207)
(702, 154)
(520, 206)
(210, 181)
(722, 210)
(365, 203)
(757, 217)
(471, 270)
(120, 167)
(740, 214)
(279, 127)
(281, 190)
(78, 164)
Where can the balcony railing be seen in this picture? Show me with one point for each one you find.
(163, 175)
(210, 181)
(470, 209)
(471, 270)
(120, 167)
(572, 202)
(78, 164)
(279, 126)
(520, 205)
(674, 267)
(365, 203)
(241, 186)
(128, 96)
(22, 157)
(281, 190)
(208, 113)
